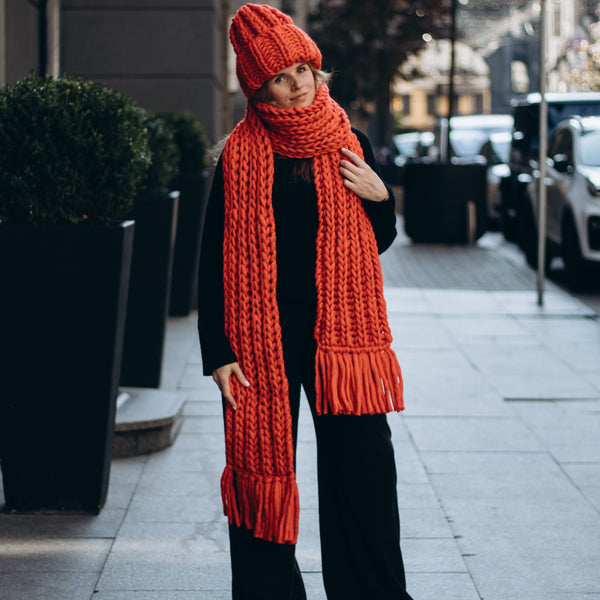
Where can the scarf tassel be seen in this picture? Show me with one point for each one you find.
(358, 383)
(269, 506)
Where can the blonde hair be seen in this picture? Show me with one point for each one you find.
(262, 93)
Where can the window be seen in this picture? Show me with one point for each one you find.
(478, 103)
(519, 78)
(431, 104)
(405, 104)
(556, 18)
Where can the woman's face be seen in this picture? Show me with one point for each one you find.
(293, 86)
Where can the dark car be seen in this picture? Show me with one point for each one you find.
(524, 151)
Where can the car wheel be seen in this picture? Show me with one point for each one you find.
(510, 196)
(508, 226)
(575, 265)
(528, 234)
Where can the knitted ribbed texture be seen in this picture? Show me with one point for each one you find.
(357, 371)
(266, 41)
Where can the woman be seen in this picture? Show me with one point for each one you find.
(292, 297)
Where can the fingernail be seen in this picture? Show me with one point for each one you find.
(246, 383)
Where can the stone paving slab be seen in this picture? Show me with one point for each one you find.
(450, 267)
(167, 556)
(500, 576)
(449, 586)
(48, 585)
(32, 527)
(47, 554)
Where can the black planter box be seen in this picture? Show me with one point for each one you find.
(149, 289)
(63, 293)
(445, 203)
(186, 259)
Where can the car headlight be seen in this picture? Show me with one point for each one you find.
(525, 178)
(593, 189)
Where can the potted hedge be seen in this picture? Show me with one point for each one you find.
(72, 154)
(155, 215)
(192, 182)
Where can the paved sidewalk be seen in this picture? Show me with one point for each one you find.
(498, 457)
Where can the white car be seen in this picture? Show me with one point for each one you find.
(573, 198)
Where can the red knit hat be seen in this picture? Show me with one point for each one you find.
(266, 41)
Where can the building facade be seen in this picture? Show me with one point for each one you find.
(419, 101)
(504, 36)
(164, 54)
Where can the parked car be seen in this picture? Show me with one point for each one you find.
(408, 146)
(496, 151)
(469, 135)
(414, 144)
(573, 198)
(524, 149)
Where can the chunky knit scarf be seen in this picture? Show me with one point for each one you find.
(356, 370)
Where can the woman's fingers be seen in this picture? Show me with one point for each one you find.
(354, 158)
(352, 169)
(361, 179)
(237, 371)
(222, 375)
(226, 391)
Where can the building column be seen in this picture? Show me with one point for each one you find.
(2, 43)
(53, 37)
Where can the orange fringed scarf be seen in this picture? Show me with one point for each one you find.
(356, 370)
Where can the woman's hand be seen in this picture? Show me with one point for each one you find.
(361, 179)
(221, 377)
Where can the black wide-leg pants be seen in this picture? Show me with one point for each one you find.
(358, 505)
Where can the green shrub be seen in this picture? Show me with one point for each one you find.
(164, 155)
(71, 151)
(191, 140)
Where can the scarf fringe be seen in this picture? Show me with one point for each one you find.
(358, 383)
(269, 507)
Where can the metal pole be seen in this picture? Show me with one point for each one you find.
(543, 127)
(451, 104)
